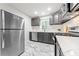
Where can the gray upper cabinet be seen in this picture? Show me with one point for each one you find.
(56, 18)
(51, 20)
(35, 21)
(60, 17)
(64, 9)
(65, 12)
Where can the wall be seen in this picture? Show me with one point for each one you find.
(31, 48)
(51, 28)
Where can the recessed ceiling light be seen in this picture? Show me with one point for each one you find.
(35, 12)
(49, 9)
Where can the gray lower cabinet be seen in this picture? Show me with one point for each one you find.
(35, 21)
(56, 18)
(45, 37)
(41, 37)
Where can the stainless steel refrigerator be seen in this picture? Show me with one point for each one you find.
(11, 34)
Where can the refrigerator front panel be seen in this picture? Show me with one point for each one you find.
(0, 41)
(0, 33)
(22, 44)
(0, 19)
(1, 22)
(12, 43)
(12, 21)
(0, 30)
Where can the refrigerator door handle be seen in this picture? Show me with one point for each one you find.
(3, 42)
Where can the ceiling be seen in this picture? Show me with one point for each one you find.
(41, 9)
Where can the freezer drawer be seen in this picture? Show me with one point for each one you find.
(13, 42)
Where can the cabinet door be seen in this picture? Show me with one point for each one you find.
(34, 36)
(35, 21)
(45, 37)
(60, 16)
(64, 9)
(51, 20)
(40, 37)
(50, 39)
(56, 20)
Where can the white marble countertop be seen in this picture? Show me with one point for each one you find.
(69, 45)
(48, 31)
(38, 31)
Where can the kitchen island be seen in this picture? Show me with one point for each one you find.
(69, 45)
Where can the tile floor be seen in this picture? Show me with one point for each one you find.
(38, 49)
